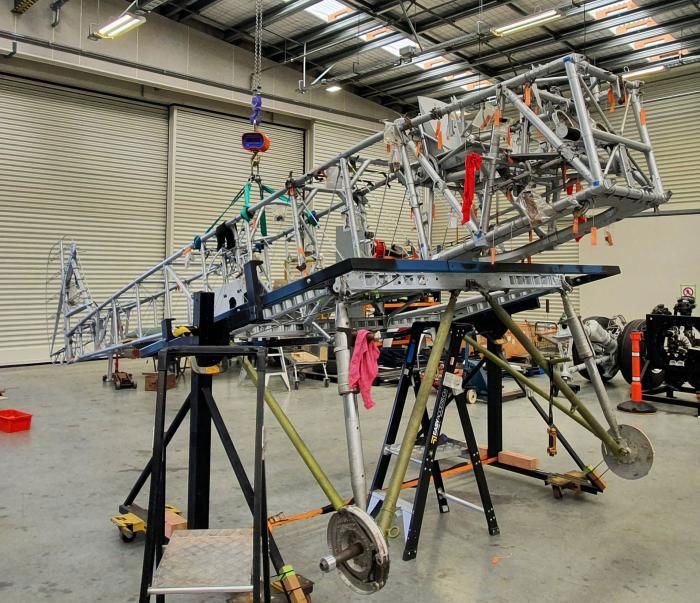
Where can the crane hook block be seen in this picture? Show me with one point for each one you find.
(255, 141)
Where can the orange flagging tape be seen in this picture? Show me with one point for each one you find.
(528, 95)
(574, 225)
(492, 251)
(643, 116)
(438, 135)
(594, 236)
(419, 148)
(388, 148)
(609, 238)
(611, 100)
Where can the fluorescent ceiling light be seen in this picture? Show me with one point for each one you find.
(119, 26)
(333, 88)
(527, 22)
(642, 72)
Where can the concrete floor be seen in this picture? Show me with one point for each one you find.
(61, 481)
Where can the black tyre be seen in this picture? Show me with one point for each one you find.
(326, 383)
(651, 379)
(605, 375)
(127, 535)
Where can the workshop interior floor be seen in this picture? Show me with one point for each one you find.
(61, 482)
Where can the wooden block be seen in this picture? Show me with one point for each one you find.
(515, 459)
(483, 450)
(173, 522)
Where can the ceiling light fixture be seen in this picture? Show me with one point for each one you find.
(333, 88)
(527, 22)
(642, 72)
(119, 25)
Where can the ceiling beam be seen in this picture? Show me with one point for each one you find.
(421, 28)
(576, 31)
(365, 22)
(634, 60)
(271, 15)
(181, 11)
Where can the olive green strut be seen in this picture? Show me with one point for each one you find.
(309, 460)
(414, 423)
(576, 405)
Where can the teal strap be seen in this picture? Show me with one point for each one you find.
(245, 215)
(223, 213)
(269, 191)
(246, 188)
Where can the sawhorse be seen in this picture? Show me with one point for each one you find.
(432, 427)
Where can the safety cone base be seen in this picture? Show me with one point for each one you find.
(640, 407)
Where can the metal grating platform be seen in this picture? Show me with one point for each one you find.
(205, 561)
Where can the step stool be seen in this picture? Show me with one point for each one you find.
(283, 368)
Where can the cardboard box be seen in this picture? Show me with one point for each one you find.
(151, 381)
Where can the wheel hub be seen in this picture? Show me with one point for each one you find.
(639, 459)
(367, 571)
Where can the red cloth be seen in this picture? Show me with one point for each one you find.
(472, 165)
(364, 366)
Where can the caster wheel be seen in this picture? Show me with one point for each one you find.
(127, 535)
(472, 396)
(296, 385)
(557, 492)
(326, 383)
(117, 385)
(104, 378)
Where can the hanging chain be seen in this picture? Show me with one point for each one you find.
(256, 85)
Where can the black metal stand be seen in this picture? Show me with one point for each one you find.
(432, 426)
(677, 370)
(203, 413)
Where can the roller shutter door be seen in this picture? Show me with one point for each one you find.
(88, 167)
(210, 167)
(673, 107)
(388, 212)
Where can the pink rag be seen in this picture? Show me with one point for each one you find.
(364, 366)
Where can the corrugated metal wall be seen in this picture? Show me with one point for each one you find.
(81, 166)
(673, 119)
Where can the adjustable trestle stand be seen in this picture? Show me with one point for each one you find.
(431, 430)
(253, 573)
